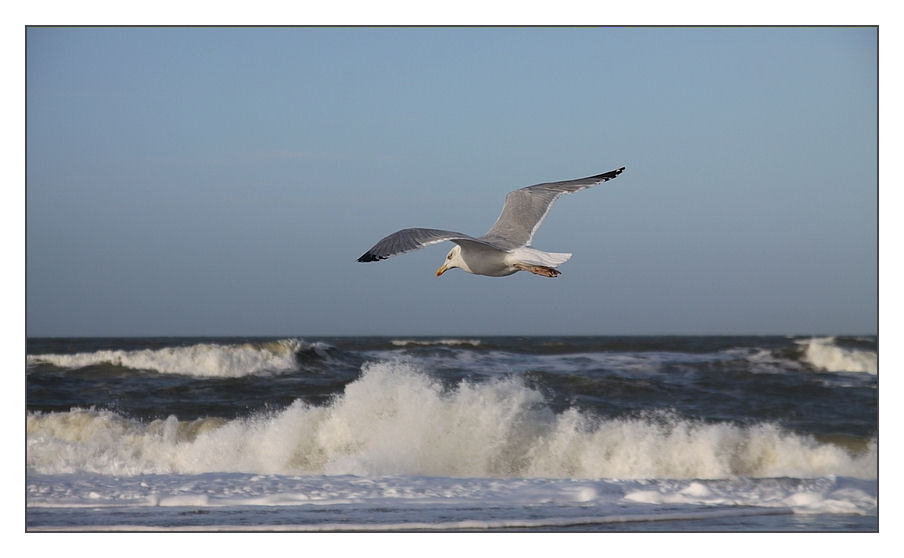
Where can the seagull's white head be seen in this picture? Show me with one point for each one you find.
(453, 259)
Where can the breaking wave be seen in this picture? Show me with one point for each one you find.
(396, 420)
(824, 354)
(202, 359)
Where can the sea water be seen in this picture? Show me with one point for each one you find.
(488, 433)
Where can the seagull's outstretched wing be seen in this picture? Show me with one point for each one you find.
(407, 240)
(525, 209)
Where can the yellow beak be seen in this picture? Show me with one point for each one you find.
(441, 270)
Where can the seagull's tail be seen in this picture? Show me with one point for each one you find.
(538, 257)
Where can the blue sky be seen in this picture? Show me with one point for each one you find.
(221, 181)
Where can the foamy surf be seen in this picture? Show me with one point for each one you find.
(202, 359)
(578, 433)
(824, 354)
(396, 420)
(331, 503)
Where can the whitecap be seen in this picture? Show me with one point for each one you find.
(396, 420)
(823, 354)
(202, 359)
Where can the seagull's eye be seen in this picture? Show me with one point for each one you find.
(449, 257)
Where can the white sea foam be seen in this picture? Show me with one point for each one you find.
(821, 495)
(428, 342)
(348, 502)
(395, 420)
(203, 359)
(824, 354)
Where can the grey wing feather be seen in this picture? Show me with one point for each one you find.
(407, 240)
(525, 209)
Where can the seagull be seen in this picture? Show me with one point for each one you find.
(505, 249)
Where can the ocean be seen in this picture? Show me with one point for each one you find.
(452, 434)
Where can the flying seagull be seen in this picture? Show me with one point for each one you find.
(505, 248)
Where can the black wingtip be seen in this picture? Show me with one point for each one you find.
(612, 174)
(370, 257)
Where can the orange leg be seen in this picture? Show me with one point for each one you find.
(539, 270)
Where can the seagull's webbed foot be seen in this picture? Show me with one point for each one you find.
(539, 270)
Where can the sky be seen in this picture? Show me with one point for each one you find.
(223, 181)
